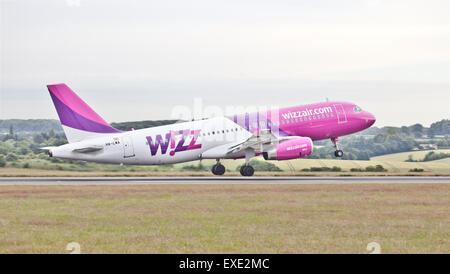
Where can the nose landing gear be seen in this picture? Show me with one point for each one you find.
(338, 153)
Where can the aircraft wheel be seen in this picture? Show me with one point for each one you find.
(338, 153)
(219, 169)
(242, 170)
(247, 171)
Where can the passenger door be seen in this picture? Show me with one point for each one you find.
(128, 149)
(340, 112)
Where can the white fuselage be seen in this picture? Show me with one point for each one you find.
(181, 142)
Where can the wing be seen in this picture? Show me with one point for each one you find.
(264, 141)
(259, 143)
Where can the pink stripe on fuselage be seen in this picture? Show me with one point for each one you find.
(316, 128)
(71, 99)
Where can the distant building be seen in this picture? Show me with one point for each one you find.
(428, 146)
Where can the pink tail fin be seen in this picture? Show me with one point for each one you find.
(74, 113)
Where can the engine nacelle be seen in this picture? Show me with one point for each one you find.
(291, 149)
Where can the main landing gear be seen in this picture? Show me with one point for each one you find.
(246, 169)
(218, 168)
(338, 153)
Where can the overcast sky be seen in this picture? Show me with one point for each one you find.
(136, 60)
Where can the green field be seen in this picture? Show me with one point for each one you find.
(391, 164)
(446, 161)
(290, 168)
(401, 157)
(402, 218)
(394, 163)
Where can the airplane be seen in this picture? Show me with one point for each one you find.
(279, 134)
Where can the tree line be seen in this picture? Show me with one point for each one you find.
(369, 143)
(44, 125)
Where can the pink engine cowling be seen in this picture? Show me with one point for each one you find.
(291, 149)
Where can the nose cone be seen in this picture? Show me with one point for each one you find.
(370, 119)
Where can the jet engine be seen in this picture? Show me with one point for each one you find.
(290, 149)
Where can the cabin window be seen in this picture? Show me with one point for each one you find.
(357, 109)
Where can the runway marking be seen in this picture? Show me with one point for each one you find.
(217, 180)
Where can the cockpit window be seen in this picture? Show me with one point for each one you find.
(357, 109)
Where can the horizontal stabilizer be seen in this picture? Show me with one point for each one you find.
(88, 149)
(46, 148)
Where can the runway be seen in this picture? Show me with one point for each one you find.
(7, 181)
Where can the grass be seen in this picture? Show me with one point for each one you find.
(394, 163)
(402, 218)
(294, 167)
(403, 156)
(31, 172)
(446, 161)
